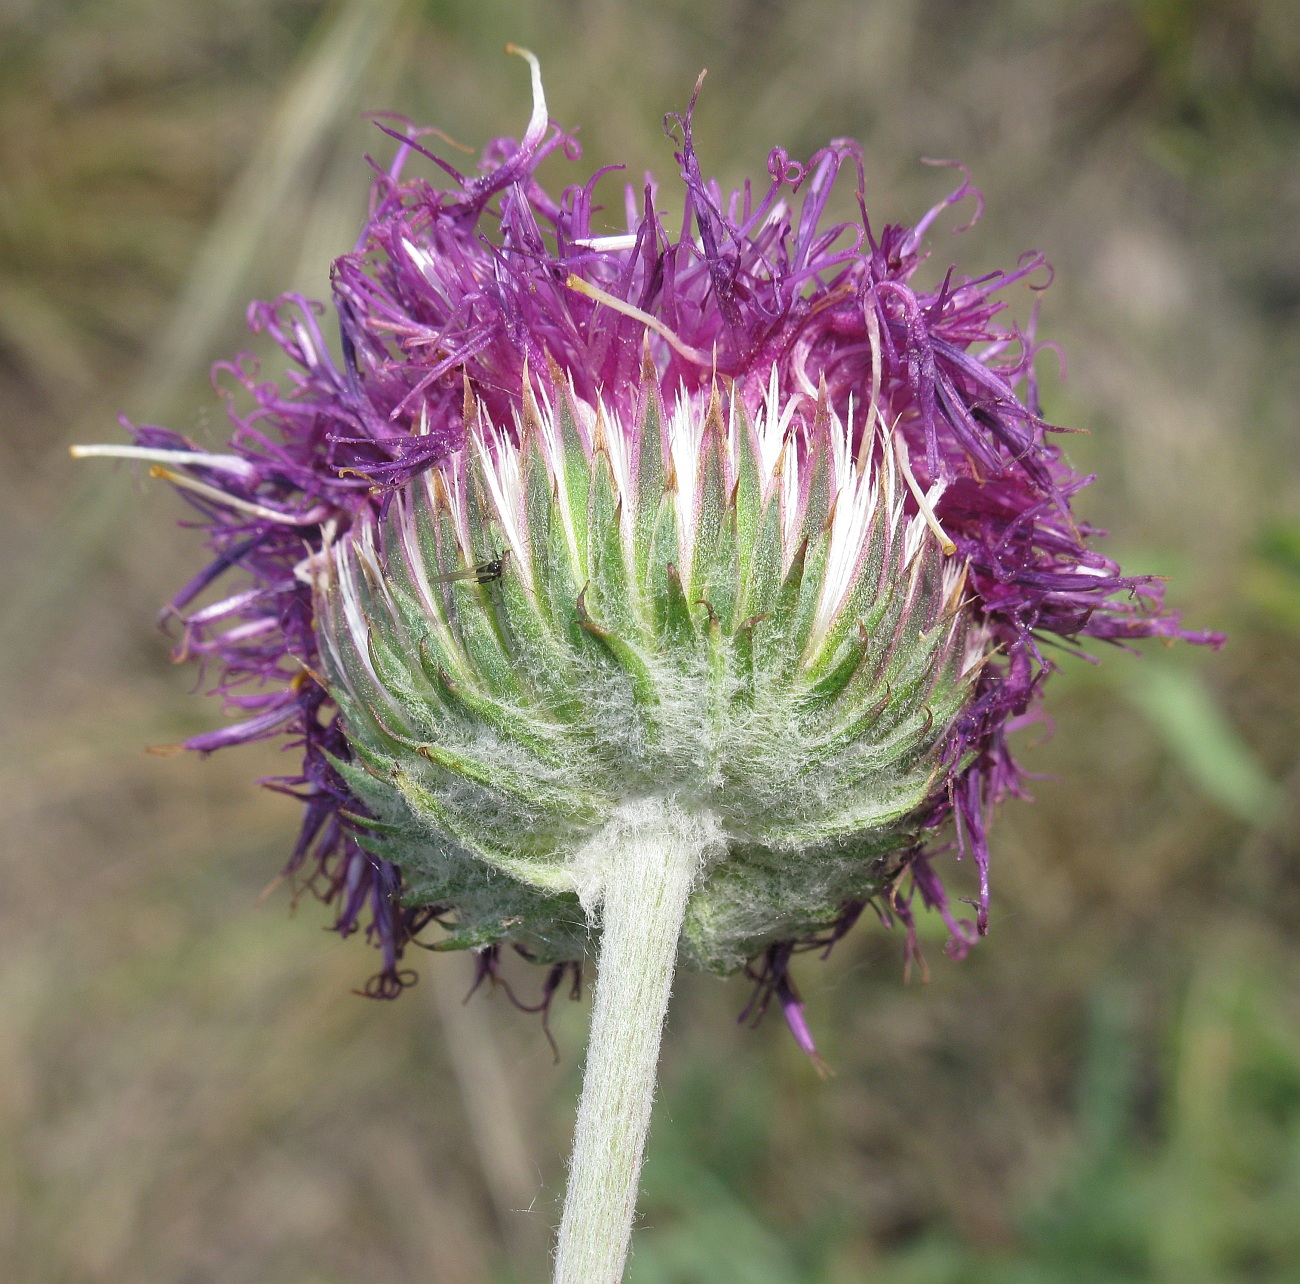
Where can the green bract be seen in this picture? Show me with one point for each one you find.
(728, 612)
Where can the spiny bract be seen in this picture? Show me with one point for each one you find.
(727, 611)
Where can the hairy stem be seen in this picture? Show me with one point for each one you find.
(640, 872)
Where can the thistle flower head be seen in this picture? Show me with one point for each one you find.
(732, 512)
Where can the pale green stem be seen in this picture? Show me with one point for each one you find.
(640, 872)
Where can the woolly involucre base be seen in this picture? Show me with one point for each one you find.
(733, 612)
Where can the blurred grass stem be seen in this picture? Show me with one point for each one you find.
(318, 94)
(315, 100)
(488, 1100)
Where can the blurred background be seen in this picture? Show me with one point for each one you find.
(1109, 1087)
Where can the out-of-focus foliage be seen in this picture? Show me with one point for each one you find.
(1203, 1183)
(1108, 1089)
(1273, 574)
(1203, 740)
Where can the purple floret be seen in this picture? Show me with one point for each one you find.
(467, 280)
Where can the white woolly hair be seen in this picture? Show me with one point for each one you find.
(811, 810)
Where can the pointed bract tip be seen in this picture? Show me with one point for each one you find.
(538, 121)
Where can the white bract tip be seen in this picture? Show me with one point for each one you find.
(537, 123)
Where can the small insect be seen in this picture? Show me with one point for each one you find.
(483, 573)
